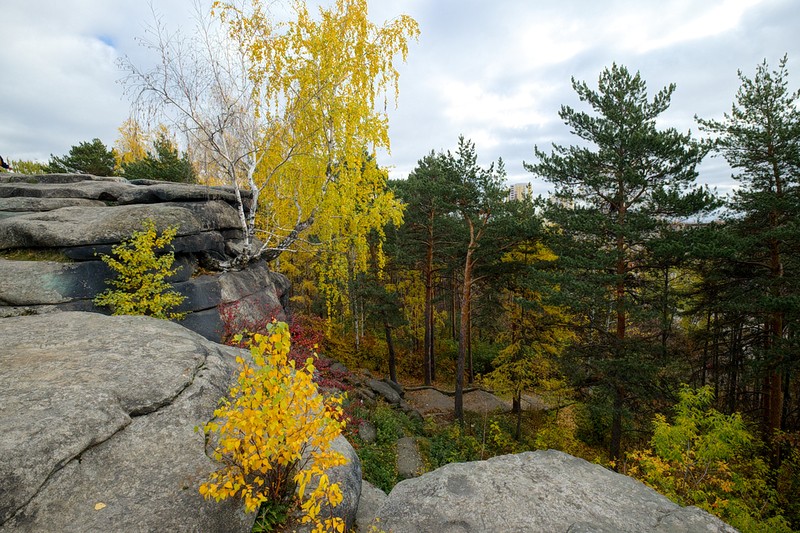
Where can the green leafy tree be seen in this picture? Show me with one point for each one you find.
(164, 163)
(760, 139)
(140, 286)
(614, 195)
(21, 166)
(706, 458)
(86, 158)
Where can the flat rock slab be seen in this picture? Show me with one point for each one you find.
(46, 282)
(102, 410)
(542, 491)
(409, 461)
(88, 225)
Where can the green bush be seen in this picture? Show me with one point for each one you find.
(450, 445)
(379, 458)
(140, 286)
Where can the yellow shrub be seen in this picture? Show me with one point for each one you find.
(275, 434)
(140, 287)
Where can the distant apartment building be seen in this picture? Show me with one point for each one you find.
(519, 191)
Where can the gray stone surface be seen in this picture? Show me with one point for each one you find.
(368, 504)
(83, 216)
(66, 186)
(27, 204)
(367, 431)
(542, 491)
(385, 390)
(254, 295)
(409, 461)
(396, 386)
(97, 427)
(102, 410)
(348, 477)
(48, 282)
(88, 225)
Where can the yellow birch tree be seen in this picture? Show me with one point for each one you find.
(290, 112)
(132, 142)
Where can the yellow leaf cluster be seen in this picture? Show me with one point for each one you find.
(140, 286)
(275, 432)
(132, 143)
(318, 84)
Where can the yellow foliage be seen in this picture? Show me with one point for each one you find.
(140, 285)
(132, 143)
(318, 81)
(275, 434)
(705, 458)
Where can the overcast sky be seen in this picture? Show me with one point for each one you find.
(496, 71)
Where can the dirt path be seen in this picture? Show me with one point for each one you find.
(429, 401)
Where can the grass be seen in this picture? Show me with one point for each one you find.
(35, 254)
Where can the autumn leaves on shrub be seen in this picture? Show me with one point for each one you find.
(140, 286)
(274, 434)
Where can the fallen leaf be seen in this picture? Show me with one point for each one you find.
(99, 505)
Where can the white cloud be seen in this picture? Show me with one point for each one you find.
(470, 103)
(645, 27)
(496, 72)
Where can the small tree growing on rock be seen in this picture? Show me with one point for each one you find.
(140, 287)
(275, 433)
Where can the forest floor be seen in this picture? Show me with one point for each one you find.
(431, 401)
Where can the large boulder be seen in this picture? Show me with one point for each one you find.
(80, 226)
(98, 419)
(72, 219)
(97, 425)
(542, 491)
(217, 304)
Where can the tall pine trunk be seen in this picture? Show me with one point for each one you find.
(619, 297)
(463, 327)
(428, 357)
(390, 347)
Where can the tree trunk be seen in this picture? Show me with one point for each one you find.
(470, 369)
(616, 427)
(621, 271)
(427, 358)
(390, 347)
(454, 306)
(463, 327)
(774, 383)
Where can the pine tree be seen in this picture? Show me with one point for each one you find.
(760, 139)
(428, 230)
(479, 201)
(614, 195)
(163, 163)
(85, 158)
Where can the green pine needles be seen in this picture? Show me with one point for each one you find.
(139, 287)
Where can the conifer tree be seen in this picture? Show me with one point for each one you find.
(85, 158)
(760, 139)
(428, 230)
(479, 201)
(614, 194)
(163, 163)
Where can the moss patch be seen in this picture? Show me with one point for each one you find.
(35, 254)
